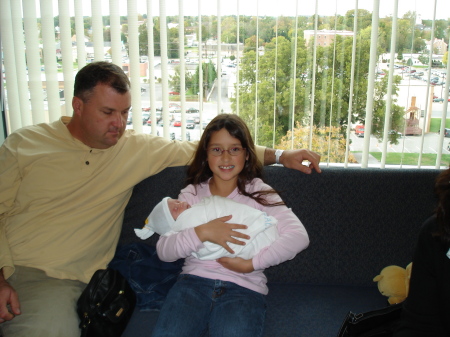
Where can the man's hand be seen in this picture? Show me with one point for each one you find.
(294, 159)
(220, 232)
(8, 297)
(236, 264)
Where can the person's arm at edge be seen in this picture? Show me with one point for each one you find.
(8, 296)
(10, 181)
(292, 159)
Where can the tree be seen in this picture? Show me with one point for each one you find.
(229, 29)
(209, 76)
(143, 38)
(379, 110)
(326, 141)
(284, 98)
(423, 58)
(175, 80)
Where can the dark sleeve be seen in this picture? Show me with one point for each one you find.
(425, 308)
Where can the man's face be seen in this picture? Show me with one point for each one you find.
(103, 117)
(176, 207)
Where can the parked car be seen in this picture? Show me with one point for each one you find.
(192, 111)
(359, 131)
(158, 118)
(174, 107)
(396, 134)
(438, 100)
(446, 132)
(177, 123)
(174, 93)
(190, 124)
(145, 118)
(197, 120)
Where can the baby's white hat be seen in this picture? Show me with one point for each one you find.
(159, 221)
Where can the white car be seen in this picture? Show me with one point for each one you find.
(190, 124)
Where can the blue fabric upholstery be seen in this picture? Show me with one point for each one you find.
(358, 220)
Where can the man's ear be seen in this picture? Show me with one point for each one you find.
(77, 105)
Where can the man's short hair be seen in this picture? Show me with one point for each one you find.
(100, 72)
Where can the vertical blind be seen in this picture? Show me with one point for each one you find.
(32, 41)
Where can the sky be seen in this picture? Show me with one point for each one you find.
(280, 7)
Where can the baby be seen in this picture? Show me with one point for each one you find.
(171, 215)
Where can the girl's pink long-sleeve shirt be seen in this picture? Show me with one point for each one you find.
(293, 239)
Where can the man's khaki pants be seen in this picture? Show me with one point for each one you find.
(47, 305)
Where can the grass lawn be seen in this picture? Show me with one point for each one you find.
(428, 159)
(435, 124)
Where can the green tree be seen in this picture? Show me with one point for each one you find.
(229, 29)
(209, 76)
(424, 59)
(379, 109)
(175, 80)
(143, 38)
(284, 98)
(400, 55)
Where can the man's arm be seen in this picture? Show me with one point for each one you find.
(8, 296)
(294, 159)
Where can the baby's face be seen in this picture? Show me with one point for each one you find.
(176, 207)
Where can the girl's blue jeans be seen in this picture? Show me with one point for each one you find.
(197, 306)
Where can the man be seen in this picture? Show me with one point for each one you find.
(64, 188)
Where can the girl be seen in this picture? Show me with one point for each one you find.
(225, 297)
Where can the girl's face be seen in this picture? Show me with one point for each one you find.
(225, 167)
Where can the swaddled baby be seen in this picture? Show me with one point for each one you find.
(171, 215)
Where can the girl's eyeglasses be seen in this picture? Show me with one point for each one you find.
(234, 151)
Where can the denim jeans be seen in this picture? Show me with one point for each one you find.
(197, 306)
(149, 277)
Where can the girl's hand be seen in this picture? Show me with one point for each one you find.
(220, 232)
(236, 264)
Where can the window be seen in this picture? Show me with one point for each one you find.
(267, 62)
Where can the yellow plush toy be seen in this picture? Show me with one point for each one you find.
(393, 282)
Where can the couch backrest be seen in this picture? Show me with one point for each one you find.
(358, 220)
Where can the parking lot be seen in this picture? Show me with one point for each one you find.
(407, 144)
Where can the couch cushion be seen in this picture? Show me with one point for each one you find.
(294, 310)
(358, 220)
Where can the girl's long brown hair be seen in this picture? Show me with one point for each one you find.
(199, 171)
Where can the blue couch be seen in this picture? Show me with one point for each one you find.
(358, 220)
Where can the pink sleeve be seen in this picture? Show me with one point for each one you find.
(179, 245)
(292, 240)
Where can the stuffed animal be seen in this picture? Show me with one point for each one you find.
(393, 282)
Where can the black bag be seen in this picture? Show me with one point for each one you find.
(106, 305)
(377, 323)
